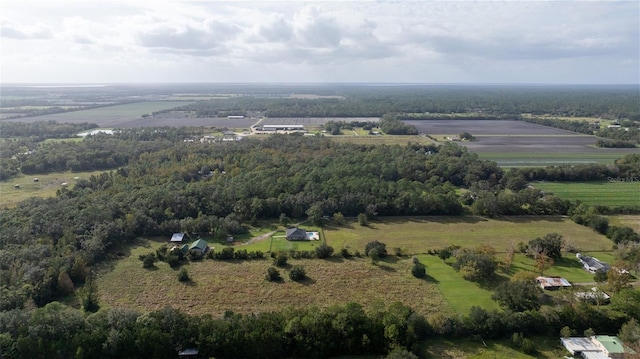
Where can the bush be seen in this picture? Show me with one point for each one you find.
(324, 251)
(183, 275)
(345, 253)
(173, 260)
(280, 260)
(148, 260)
(418, 270)
(379, 246)
(297, 273)
(273, 275)
(363, 220)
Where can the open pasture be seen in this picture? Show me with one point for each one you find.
(240, 286)
(628, 220)
(419, 234)
(314, 121)
(46, 186)
(541, 159)
(109, 116)
(605, 193)
(486, 127)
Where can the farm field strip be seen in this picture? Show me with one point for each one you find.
(538, 159)
(606, 193)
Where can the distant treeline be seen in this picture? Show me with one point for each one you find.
(375, 101)
(41, 130)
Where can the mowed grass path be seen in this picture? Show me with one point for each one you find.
(606, 193)
(419, 234)
(240, 286)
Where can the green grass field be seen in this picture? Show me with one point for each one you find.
(533, 159)
(46, 186)
(628, 220)
(491, 349)
(419, 234)
(130, 110)
(606, 193)
(382, 139)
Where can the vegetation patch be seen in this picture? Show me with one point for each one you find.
(615, 192)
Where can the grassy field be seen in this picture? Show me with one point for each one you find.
(491, 349)
(101, 114)
(606, 193)
(534, 159)
(46, 186)
(419, 234)
(629, 220)
(382, 139)
(240, 286)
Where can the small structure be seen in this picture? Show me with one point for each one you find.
(64, 184)
(177, 238)
(592, 264)
(595, 347)
(229, 239)
(296, 234)
(36, 179)
(188, 353)
(16, 186)
(200, 247)
(552, 283)
(595, 296)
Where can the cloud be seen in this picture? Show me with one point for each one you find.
(14, 31)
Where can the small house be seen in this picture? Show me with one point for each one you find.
(200, 247)
(177, 238)
(592, 264)
(296, 234)
(595, 296)
(595, 347)
(552, 283)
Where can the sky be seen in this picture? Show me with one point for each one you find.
(157, 41)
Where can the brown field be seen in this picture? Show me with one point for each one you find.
(218, 286)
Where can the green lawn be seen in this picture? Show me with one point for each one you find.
(491, 349)
(540, 159)
(455, 288)
(130, 110)
(606, 193)
(628, 220)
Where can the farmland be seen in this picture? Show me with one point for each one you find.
(604, 193)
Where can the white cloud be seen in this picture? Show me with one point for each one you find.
(420, 41)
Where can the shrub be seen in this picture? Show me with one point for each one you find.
(183, 275)
(363, 220)
(324, 251)
(345, 253)
(297, 273)
(173, 260)
(374, 255)
(273, 275)
(148, 260)
(418, 270)
(379, 246)
(280, 260)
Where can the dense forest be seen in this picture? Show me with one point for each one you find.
(375, 101)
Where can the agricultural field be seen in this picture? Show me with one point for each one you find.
(518, 144)
(111, 116)
(46, 186)
(605, 193)
(629, 220)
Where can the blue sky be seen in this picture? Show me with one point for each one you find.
(116, 41)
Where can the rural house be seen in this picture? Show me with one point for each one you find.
(296, 234)
(200, 247)
(592, 264)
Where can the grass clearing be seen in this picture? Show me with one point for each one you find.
(416, 235)
(455, 288)
(46, 186)
(541, 159)
(628, 220)
(491, 349)
(240, 286)
(382, 139)
(130, 110)
(606, 193)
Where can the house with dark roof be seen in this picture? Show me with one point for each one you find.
(296, 234)
(592, 264)
(200, 247)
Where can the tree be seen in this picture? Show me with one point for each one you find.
(297, 273)
(475, 264)
(630, 334)
(273, 275)
(339, 219)
(418, 270)
(315, 215)
(379, 246)
(363, 220)
(374, 255)
(89, 296)
(551, 245)
(543, 262)
(466, 136)
(600, 276)
(508, 261)
(280, 260)
(324, 251)
(183, 275)
(519, 295)
(566, 332)
(618, 280)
